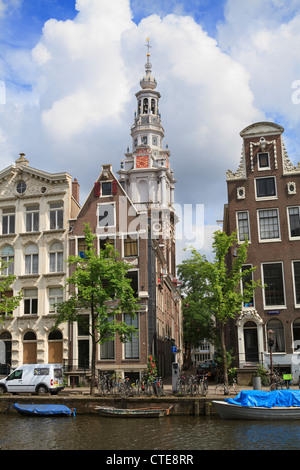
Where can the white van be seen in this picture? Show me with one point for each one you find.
(34, 378)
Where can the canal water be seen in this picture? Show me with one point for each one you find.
(89, 432)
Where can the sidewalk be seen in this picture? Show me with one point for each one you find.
(168, 389)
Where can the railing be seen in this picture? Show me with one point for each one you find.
(82, 366)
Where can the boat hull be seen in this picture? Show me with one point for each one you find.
(43, 410)
(231, 411)
(131, 413)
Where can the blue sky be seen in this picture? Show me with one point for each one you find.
(69, 72)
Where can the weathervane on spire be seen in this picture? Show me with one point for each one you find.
(148, 45)
(148, 66)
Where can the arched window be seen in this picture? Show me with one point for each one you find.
(29, 336)
(7, 256)
(55, 347)
(153, 110)
(277, 327)
(296, 335)
(31, 259)
(145, 106)
(56, 257)
(29, 348)
(251, 341)
(5, 352)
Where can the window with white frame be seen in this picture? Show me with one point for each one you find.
(30, 301)
(296, 273)
(296, 335)
(32, 218)
(243, 226)
(263, 160)
(268, 222)
(56, 215)
(294, 221)
(55, 297)
(131, 348)
(7, 256)
(106, 215)
(106, 188)
(130, 245)
(247, 278)
(134, 278)
(8, 220)
(273, 280)
(107, 349)
(265, 187)
(56, 257)
(279, 342)
(31, 259)
(103, 241)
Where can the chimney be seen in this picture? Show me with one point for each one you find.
(75, 190)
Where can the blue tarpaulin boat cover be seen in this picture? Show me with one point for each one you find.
(43, 410)
(266, 399)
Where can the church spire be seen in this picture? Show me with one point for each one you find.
(148, 81)
(145, 174)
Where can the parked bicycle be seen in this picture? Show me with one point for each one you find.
(276, 381)
(223, 389)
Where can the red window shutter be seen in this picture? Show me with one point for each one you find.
(114, 186)
(97, 189)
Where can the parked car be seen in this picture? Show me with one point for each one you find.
(34, 378)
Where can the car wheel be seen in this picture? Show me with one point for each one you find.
(2, 390)
(42, 389)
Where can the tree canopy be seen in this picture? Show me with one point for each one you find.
(99, 286)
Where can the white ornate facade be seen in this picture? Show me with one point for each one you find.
(35, 208)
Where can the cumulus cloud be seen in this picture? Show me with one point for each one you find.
(77, 99)
(266, 42)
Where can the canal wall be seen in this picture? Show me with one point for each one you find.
(87, 404)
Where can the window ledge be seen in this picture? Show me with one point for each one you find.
(29, 276)
(58, 273)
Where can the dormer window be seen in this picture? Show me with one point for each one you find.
(106, 188)
(263, 160)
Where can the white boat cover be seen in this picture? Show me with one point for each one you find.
(266, 399)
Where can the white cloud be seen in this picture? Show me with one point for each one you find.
(266, 42)
(82, 76)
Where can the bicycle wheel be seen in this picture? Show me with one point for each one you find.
(220, 389)
(204, 389)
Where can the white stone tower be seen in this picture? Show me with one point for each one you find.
(145, 174)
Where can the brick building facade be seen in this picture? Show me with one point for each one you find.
(135, 213)
(264, 206)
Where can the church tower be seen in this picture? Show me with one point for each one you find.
(148, 180)
(146, 175)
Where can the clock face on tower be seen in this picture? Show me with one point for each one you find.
(142, 161)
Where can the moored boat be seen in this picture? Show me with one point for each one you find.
(43, 410)
(132, 413)
(259, 405)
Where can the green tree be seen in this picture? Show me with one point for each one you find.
(220, 290)
(226, 296)
(8, 303)
(198, 323)
(98, 285)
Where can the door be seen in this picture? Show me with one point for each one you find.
(83, 353)
(14, 381)
(251, 342)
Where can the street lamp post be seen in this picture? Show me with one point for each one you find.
(271, 343)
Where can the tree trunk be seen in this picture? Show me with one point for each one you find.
(93, 364)
(224, 356)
